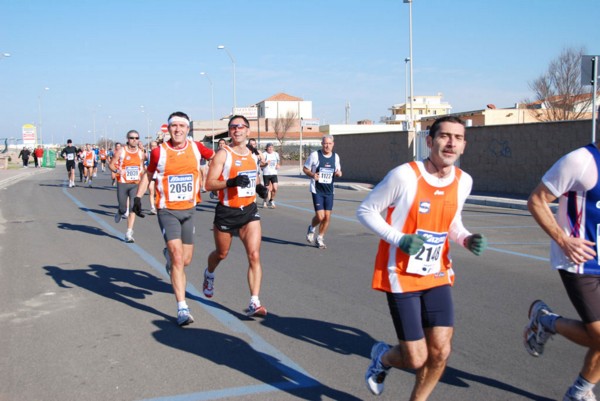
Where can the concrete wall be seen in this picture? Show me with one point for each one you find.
(502, 159)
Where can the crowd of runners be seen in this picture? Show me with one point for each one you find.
(415, 211)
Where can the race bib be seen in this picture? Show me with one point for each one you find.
(250, 190)
(132, 173)
(70, 156)
(326, 175)
(181, 188)
(89, 162)
(428, 259)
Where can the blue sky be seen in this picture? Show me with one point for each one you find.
(107, 58)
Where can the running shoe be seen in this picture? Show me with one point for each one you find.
(272, 205)
(256, 310)
(213, 195)
(129, 237)
(588, 397)
(208, 286)
(310, 235)
(376, 372)
(90, 183)
(184, 317)
(118, 217)
(535, 336)
(321, 243)
(168, 258)
(153, 211)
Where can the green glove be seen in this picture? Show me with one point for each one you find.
(476, 243)
(411, 243)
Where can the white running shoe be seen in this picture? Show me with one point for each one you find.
(256, 310)
(129, 236)
(376, 372)
(589, 396)
(208, 285)
(535, 335)
(184, 317)
(321, 243)
(310, 235)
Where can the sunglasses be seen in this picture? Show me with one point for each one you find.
(240, 126)
(134, 137)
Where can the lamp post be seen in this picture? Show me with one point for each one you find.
(212, 109)
(410, 56)
(147, 120)
(222, 47)
(406, 60)
(300, 152)
(40, 116)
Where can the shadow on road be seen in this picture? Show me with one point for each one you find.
(86, 229)
(234, 353)
(122, 285)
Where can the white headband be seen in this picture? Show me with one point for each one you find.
(177, 119)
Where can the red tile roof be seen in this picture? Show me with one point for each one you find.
(283, 97)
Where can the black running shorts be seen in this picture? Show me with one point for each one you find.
(584, 293)
(228, 219)
(413, 311)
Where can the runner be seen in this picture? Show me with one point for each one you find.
(233, 174)
(423, 203)
(128, 164)
(322, 166)
(114, 175)
(102, 155)
(152, 185)
(270, 165)
(69, 153)
(89, 160)
(574, 181)
(175, 166)
(80, 167)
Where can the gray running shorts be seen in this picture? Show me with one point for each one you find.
(177, 224)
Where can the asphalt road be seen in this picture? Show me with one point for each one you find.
(85, 316)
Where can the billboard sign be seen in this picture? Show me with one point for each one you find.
(251, 113)
(29, 134)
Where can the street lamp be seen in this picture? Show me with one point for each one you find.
(94, 121)
(212, 108)
(222, 47)
(147, 120)
(406, 60)
(410, 56)
(40, 116)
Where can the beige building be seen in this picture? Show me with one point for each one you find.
(489, 116)
(422, 106)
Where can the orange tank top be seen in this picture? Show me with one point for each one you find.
(431, 214)
(131, 166)
(177, 177)
(236, 164)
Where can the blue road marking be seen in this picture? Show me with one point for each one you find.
(298, 377)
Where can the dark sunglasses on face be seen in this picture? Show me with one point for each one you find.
(240, 126)
(134, 137)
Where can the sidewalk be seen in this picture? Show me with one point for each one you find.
(289, 176)
(13, 175)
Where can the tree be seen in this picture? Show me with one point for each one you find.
(282, 125)
(559, 94)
